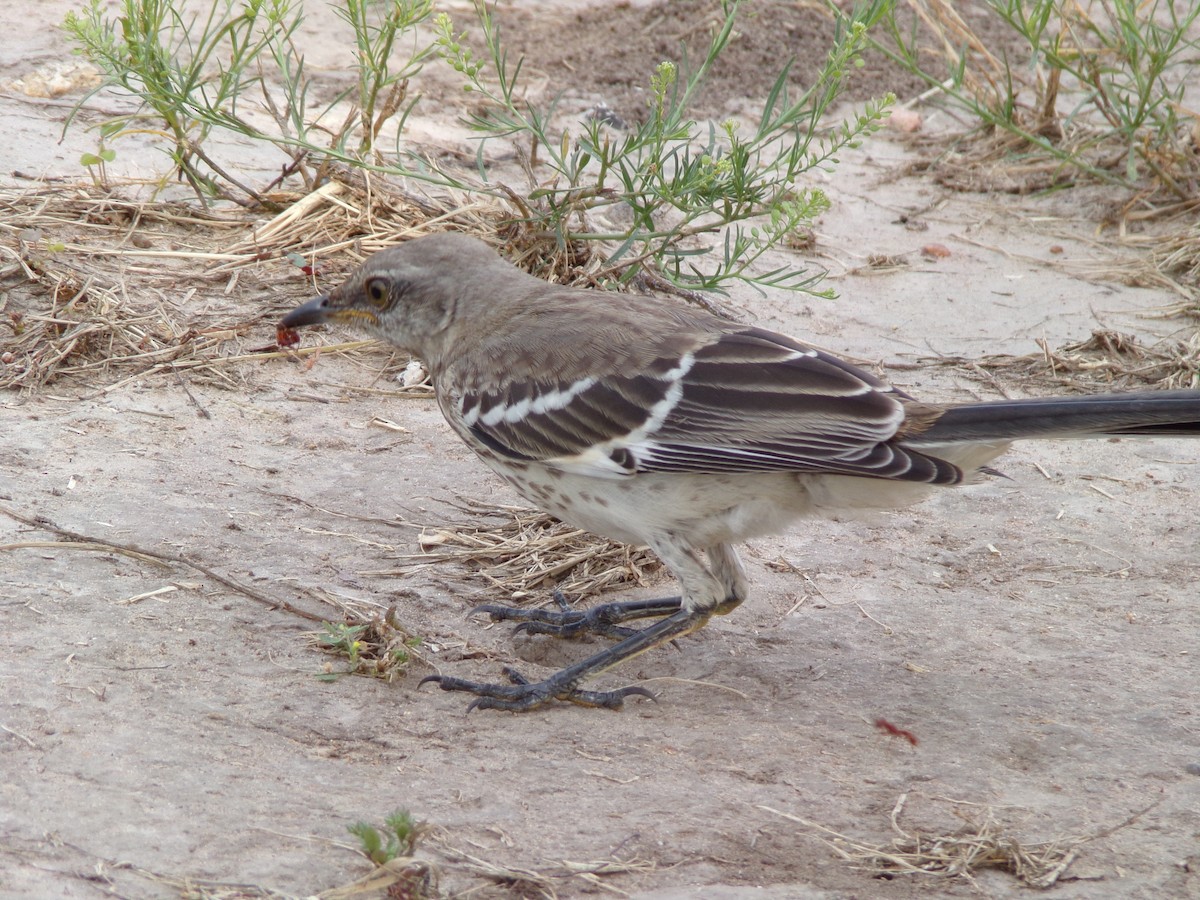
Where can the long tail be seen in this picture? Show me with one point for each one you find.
(1159, 413)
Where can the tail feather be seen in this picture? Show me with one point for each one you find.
(1159, 413)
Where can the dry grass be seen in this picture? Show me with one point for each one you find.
(544, 882)
(416, 878)
(97, 286)
(71, 276)
(90, 330)
(1175, 258)
(400, 878)
(1108, 359)
(983, 844)
(519, 550)
(87, 298)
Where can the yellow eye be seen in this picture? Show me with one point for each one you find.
(377, 291)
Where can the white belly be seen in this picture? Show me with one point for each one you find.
(710, 509)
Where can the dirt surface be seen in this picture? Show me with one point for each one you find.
(1036, 634)
(600, 53)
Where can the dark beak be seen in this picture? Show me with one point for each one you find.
(314, 312)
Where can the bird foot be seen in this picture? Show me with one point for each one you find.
(523, 695)
(572, 623)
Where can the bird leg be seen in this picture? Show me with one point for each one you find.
(566, 622)
(523, 695)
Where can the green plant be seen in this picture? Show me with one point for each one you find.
(344, 640)
(670, 180)
(174, 67)
(698, 204)
(382, 91)
(380, 648)
(195, 74)
(96, 163)
(1102, 90)
(398, 838)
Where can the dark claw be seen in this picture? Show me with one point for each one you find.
(496, 611)
(572, 623)
(575, 629)
(523, 695)
(514, 676)
(634, 690)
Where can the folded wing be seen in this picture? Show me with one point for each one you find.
(739, 401)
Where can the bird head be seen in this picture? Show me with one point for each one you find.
(407, 295)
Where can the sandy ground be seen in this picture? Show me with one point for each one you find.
(1037, 634)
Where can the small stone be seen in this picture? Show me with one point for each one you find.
(906, 121)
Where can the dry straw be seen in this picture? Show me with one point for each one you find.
(109, 289)
(1110, 360)
(964, 853)
(519, 551)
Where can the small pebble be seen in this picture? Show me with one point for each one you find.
(414, 373)
(903, 120)
(1192, 768)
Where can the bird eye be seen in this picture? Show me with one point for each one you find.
(377, 291)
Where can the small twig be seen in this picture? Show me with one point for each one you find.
(17, 734)
(97, 546)
(74, 539)
(896, 810)
(200, 409)
(696, 681)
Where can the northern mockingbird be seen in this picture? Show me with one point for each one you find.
(653, 423)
